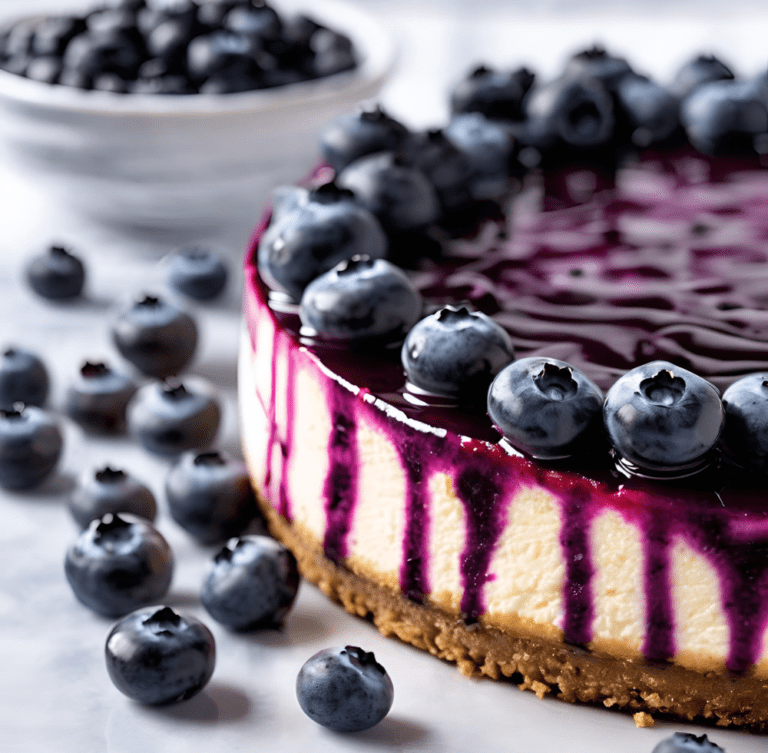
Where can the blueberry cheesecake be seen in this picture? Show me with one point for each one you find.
(504, 384)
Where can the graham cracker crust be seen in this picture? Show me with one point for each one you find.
(545, 666)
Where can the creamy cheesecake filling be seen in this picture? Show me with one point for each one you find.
(449, 518)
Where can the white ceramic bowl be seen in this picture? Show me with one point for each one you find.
(184, 162)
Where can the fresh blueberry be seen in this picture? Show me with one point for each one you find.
(57, 274)
(684, 742)
(344, 689)
(332, 53)
(111, 51)
(495, 94)
(661, 418)
(53, 33)
(745, 436)
(700, 70)
(98, 398)
(311, 233)
(598, 64)
(156, 656)
(23, 378)
(489, 147)
(221, 53)
(45, 69)
(168, 419)
(725, 118)
(30, 446)
(258, 20)
(252, 583)
(197, 272)
(110, 490)
(156, 337)
(119, 563)
(456, 352)
(361, 300)
(545, 407)
(651, 112)
(398, 194)
(210, 496)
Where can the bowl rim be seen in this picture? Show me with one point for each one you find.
(375, 48)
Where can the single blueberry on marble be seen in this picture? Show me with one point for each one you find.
(252, 583)
(662, 418)
(23, 378)
(56, 274)
(456, 352)
(158, 656)
(685, 742)
(344, 689)
(98, 397)
(546, 408)
(118, 564)
(110, 490)
(361, 301)
(30, 446)
(745, 437)
(197, 272)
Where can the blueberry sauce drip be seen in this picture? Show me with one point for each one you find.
(341, 482)
(659, 638)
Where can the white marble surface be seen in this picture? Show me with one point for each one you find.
(55, 694)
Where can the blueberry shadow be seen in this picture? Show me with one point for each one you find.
(216, 704)
(220, 372)
(394, 732)
(182, 599)
(50, 490)
(298, 630)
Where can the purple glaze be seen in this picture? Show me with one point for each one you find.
(671, 263)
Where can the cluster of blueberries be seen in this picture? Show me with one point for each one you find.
(120, 562)
(175, 47)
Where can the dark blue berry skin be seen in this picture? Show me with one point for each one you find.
(684, 742)
(221, 53)
(495, 94)
(198, 273)
(110, 490)
(725, 118)
(745, 436)
(546, 408)
(252, 584)
(310, 233)
(361, 301)
(156, 337)
(23, 378)
(168, 419)
(456, 352)
(662, 418)
(700, 70)
(651, 112)
(344, 689)
(99, 397)
(210, 496)
(57, 274)
(156, 656)
(398, 194)
(30, 446)
(118, 564)
(598, 64)
(356, 134)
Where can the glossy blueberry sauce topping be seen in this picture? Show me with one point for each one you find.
(667, 262)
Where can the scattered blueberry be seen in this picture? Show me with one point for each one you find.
(156, 337)
(456, 352)
(662, 418)
(198, 273)
(30, 446)
(156, 656)
(312, 233)
(598, 64)
(700, 70)
(252, 583)
(745, 436)
(545, 407)
(389, 186)
(726, 118)
(98, 398)
(357, 134)
(110, 490)
(684, 742)
(361, 301)
(209, 495)
(119, 563)
(23, 378)
(344, 689)
(495, 94)
(168, 419)
(56, 274)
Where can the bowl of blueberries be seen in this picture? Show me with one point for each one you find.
(179, 114)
